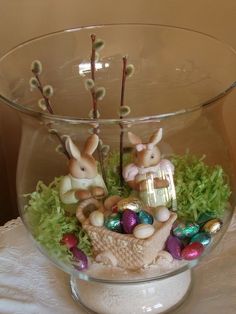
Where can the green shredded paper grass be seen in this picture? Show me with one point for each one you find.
(49, 221)
(200, 189)
(113, 176)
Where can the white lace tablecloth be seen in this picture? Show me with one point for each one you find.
(30, 284)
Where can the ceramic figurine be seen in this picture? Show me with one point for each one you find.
(83, 181)
(150, 175)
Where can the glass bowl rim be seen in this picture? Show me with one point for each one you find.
(151, 118)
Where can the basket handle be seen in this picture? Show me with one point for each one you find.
(82, 205)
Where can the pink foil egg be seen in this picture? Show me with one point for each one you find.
(192, 251)
(80, 260)
(69, 239)
(174, 247)
(114, 209)
(129, 220)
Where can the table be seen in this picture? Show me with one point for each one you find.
(31, 284)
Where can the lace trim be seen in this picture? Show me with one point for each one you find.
(11, 224)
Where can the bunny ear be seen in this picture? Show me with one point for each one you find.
(72, 149)
(156, 137)
(134, 139)
(91, 144)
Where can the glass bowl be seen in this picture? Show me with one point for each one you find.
(125, 179)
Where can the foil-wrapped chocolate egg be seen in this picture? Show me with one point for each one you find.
(212, 226)
(114, 209)
(202, 237)
(113, 222)
(191, 229)
(131, 203)
(174, 246)
(203, 218)
(188, 230)
(161, 213)
(178, 229)
(143, 231)
(70, 240)
(192, 251)
(145, 218)
(80, 260)
(129, 220)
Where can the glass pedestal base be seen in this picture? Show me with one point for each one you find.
(146, 297)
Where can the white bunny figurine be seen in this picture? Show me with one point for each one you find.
(83, 180)
(150, 175)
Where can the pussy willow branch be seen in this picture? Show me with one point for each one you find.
(40, 88)
(50, 110)
(62, 144)
(94, 102)
(92, 63)
(122, 97)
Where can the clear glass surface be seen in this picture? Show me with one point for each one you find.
(180, 83)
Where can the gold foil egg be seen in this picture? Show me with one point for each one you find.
(212, 226)
(131, 203)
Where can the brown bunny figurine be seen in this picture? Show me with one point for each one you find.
(83, 181)
(150, 175)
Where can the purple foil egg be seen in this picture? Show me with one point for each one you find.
(129, 221)
(192, 251)
(174, 247)
(80, 260)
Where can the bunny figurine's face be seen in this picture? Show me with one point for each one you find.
(146, 154)
(147, 157)
(83, 168)
(82, 165)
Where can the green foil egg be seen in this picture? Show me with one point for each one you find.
(202, 237)
(178, 230)
(145, 218)
(188, 230)
(212, 226)
(191, 229)
(113, 222)
(203, 218)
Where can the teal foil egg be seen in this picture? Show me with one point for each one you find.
(113, 222)
(145, 218)
(202, 237)
(188, 230)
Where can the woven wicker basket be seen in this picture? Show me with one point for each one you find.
(130, 252)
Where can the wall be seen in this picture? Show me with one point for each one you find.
(21, 20)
